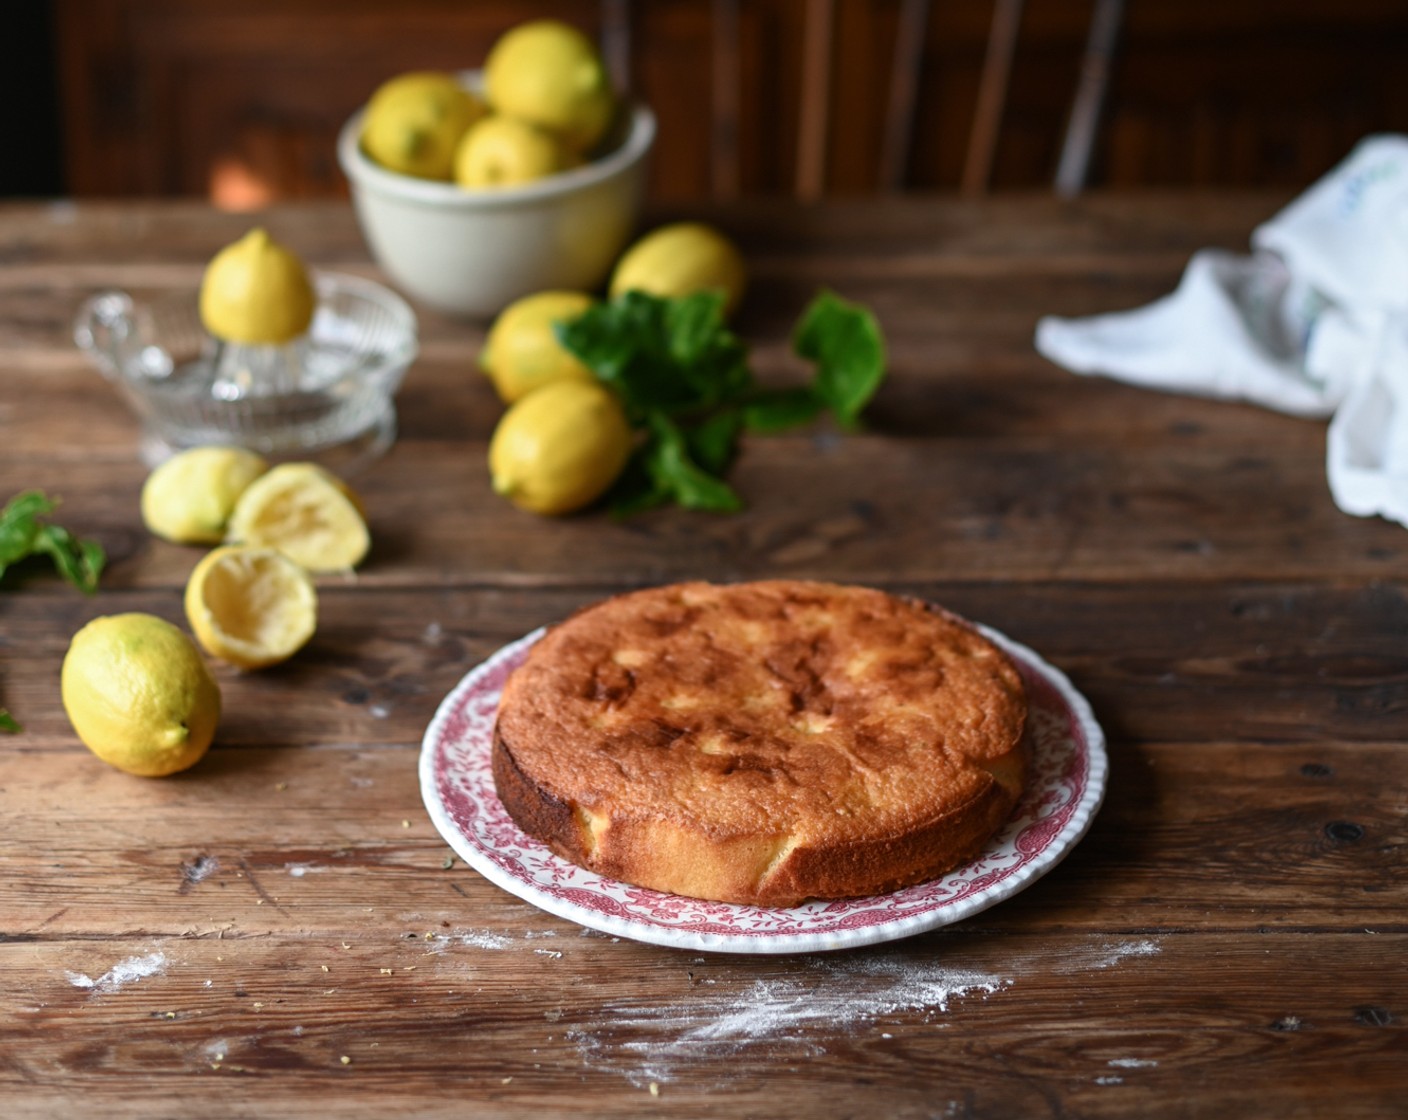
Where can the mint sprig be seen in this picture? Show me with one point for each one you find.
(684, 380)
(25, 531)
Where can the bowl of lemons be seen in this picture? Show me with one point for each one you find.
(477, 188)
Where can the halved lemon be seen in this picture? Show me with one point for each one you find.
(307, 513)
(252, 607)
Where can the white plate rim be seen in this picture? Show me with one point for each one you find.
(641, 928)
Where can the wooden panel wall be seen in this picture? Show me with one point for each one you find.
(243, 97)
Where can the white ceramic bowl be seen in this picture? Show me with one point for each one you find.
(472, 253)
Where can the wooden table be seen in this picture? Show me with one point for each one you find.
(277, 932)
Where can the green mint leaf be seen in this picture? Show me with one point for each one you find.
(779, 409)
(24, 533)
(713, 442)
(845, 342)
(672, 468)
(19, 522)
(660, 355)
(7, 723)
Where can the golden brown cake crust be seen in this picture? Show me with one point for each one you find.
(762, 742)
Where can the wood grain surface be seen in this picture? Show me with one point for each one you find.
(281, 930)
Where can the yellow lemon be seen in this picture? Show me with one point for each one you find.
(414, 121)
(551, 75)
(505, 152)
(522, 352)
(681, 259)
(560, 447)
(139, 694)
(189, 497)
(256, 291)
(252, 607)
(307, 513)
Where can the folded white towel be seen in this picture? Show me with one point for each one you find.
(1313, 322)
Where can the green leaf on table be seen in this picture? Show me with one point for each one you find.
(671, 355)
(7, 723)
(672, 474)
(776, 410)
(25, 532)
(845, 342)
(684, 380)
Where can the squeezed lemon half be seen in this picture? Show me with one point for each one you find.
(307, 513)
(257, 292)
(252, 607)
(188, 498)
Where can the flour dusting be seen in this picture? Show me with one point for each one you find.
(1132, 1063)
(1112, 955)
(121, 974)
(483, 939)
(1104, 955)
(805, 1012)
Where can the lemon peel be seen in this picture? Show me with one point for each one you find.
(139, 694)
(257, 292)
(188, 498)
(679, 260)
(560, 447)
(550, 74)
(252, 607)
(415, 120)
(307, 513)
(522, 353)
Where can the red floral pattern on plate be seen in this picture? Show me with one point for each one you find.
(1067, 784)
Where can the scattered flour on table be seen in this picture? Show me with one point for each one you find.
(1133, 1063)
(840, 996)
(121, 974)
(1105, 955)
(298, 870)
(483, 939)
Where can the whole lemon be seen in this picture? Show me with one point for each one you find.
(139, 694)
(679, 260)
(522, 352)
(505, 152)
(414, 122)
(560, 447)
(550, 74)
(189, 497)
(257, 292)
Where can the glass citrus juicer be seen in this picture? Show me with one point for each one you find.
(266, 358)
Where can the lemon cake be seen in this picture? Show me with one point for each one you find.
(762, 743)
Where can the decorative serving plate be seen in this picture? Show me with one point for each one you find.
(1068, 775)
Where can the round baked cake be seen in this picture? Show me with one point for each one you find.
(762, 743)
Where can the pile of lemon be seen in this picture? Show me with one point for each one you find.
(545, 107)
(136, 688)
(564, 438)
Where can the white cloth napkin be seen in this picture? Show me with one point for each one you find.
(1313, 322)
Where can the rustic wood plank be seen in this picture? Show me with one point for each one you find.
(865, 508)
(1271, 662)
(710, 1031)
(323, 835)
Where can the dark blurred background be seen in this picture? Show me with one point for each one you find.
(240, 101)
